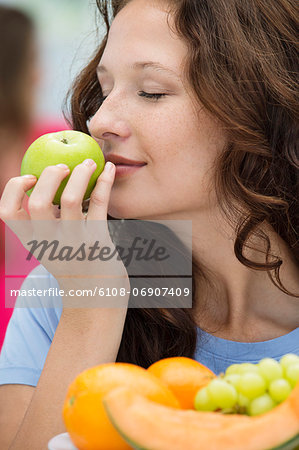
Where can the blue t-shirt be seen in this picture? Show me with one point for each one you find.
(31, 330)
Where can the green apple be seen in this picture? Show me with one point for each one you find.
(63, 147)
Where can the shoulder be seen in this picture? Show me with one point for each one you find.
(30, 330)
(38, 301)
(39, 290)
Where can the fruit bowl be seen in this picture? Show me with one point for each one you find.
(61, 442)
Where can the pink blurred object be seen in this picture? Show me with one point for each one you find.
(4, 312)
(46, 126)
(17, 266)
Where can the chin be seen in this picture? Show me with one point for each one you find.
(125, 210)
(138, 213)
(120, 214)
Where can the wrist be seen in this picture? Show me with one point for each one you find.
(96, 292)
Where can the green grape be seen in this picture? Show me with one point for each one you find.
(232, 369)
(232, 379)
(243, 402)
(279, 389)
(288, 359)
(203, 401)
(248, 367)
(292, 374)
(261, 405)
(270, 369)
(251, 385)
(223, 394)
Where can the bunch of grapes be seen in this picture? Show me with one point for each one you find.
(250, 389)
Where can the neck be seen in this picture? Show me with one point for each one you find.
(234, 301)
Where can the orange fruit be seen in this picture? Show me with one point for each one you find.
(83, 411)
(184, 377)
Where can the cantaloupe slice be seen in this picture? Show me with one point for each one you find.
(147, 425)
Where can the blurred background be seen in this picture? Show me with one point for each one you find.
(66, 33)
(66, 36)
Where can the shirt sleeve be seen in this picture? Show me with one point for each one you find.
(30, 331)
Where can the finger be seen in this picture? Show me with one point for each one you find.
(40, 204)
(56, 211)
(99, 199)
(13, 196)
(73, 194)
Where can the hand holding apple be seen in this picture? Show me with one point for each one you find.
(63, 147)
(39, 225)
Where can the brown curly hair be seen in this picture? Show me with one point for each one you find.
(242, 65)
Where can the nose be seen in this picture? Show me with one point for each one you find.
(110, 123)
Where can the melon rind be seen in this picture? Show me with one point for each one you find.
(167, 428)
(292, 444)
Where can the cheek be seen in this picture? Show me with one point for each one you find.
(183, 156)
(164, 135)
(189, 141)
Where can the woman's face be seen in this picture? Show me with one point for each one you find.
(176, 139)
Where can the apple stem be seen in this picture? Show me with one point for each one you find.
(64, 140)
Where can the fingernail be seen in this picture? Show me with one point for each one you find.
(109, 166)
(63, 166)
(89, 162)
(28, 176)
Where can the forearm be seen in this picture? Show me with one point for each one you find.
(83, 338)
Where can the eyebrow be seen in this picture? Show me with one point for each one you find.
(144, 65)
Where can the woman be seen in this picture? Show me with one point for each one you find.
(202, 96)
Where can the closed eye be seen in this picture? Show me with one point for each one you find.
(152, 96)
(141, 94)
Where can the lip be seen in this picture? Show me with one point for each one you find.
(123, 170)
(118, 159)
